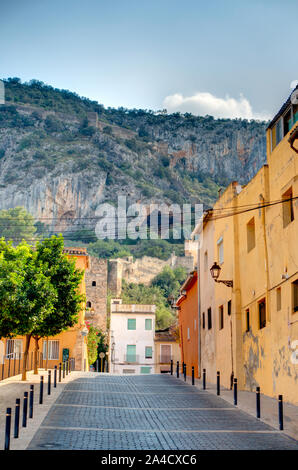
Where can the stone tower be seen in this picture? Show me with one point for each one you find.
(96, 293)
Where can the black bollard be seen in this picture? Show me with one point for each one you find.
(31, 401)
(7, 429)
(177, 370)
(171, 366)
(25, 408)
(218, 383)
(49, 382)
(41, 390)
(63, 370)
(17, 418)
(55, 376)
(280, 413)
(235, 392)
(193, 375)
(59, 371)
(204, 379)
(66, 367)
(184, 372)
(258, 402)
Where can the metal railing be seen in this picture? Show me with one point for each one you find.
(12, 364)
(131, 358)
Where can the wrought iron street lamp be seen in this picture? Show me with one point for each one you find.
(215, 272)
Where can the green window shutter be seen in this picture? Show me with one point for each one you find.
(148, 352)
(131, 350)
(145, 370)
(148, 324)
(131, 324)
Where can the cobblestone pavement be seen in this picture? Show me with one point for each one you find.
(156, 412)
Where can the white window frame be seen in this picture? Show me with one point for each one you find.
(13, 348)
(53, 353)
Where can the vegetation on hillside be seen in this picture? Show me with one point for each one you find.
(164, 287)
(67, 137)
(47, 135)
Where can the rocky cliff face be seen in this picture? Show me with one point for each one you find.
(60, 166)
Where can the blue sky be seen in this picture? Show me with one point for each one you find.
(221, 57)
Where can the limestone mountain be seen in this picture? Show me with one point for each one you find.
(62, 155)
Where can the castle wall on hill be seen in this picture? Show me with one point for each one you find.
(142, 270)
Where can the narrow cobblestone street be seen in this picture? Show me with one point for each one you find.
(155, 412)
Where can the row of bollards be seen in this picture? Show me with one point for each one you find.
(235, 391)
(64, 369)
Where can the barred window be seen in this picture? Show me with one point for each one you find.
(53, 349)
(14, 348)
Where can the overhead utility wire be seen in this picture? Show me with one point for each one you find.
(260, 206)
(256, 204)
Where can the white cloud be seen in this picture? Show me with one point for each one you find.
(206, 103)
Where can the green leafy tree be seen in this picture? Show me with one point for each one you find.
(141, 294)
(65, 279)
(26, 293)
(170, 280)
(96, 342)
(39, 291)
(17, 224)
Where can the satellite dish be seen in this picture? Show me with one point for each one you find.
(294, 97)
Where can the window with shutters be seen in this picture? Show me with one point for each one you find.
(165, 353)
(262, 314)
(14, 348)
(295, 296)
(53, 349)
(131, 323)
(209, 318)
(287, 207)
(221, 317)
(148, 352)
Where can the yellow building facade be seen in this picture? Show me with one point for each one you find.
(250, 331)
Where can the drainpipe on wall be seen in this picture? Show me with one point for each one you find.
(266, 256)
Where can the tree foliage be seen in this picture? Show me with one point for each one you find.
(17, 224)
(170, 280)
(39, 291)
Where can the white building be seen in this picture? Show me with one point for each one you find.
(132, 331)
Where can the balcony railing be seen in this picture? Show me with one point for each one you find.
(131, 358)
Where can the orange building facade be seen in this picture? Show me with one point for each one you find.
(52, 350)
(187, 305)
